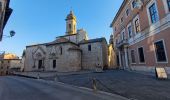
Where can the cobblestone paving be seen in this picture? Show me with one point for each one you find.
(132, 85)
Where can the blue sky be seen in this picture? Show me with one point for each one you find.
(40, 21)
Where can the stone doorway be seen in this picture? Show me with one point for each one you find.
(40, 64)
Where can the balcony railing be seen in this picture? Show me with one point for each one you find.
(122, 43)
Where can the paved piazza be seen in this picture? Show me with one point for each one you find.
(19, 88)
(138, 86)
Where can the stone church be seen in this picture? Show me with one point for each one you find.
(70, 52)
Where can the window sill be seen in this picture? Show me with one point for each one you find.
(162, 62)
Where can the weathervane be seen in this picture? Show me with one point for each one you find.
(71, 8)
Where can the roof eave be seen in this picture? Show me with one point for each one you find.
(118, 13)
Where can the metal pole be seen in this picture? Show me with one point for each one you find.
(94, 85)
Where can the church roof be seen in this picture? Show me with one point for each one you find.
(92, 40)
(71, 16)
(57, 41)
(60, 41)
(65, 35)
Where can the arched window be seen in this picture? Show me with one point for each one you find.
(70, 26)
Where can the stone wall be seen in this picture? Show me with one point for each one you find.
(9, 65)
(81, 35)
(96, 58)
(3, 67)
(72, 38)
(66, 55)
(69, 60)
(15, 64)
(105, 54)
(31, 63)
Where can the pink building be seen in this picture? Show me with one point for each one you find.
(142, 35)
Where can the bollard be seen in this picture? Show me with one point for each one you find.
(94, 85)
(38, 76)
(55, 79)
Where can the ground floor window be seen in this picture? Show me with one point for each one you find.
(160, 51)
(54, 63)
(118, 63)
(141, 55)
(133, 60)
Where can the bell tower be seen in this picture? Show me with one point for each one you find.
(71, 23)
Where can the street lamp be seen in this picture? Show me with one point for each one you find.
(12, 33)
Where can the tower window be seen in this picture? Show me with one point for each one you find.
(89, 47)
(69, 26)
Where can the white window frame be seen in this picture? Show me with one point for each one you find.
(122, 35)
(137, 17)
(118, 38)
(148, 12)
(166, 6)
(132, 5)
(130, 24)
(131, 56)
(164, 50)
(143, 54)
